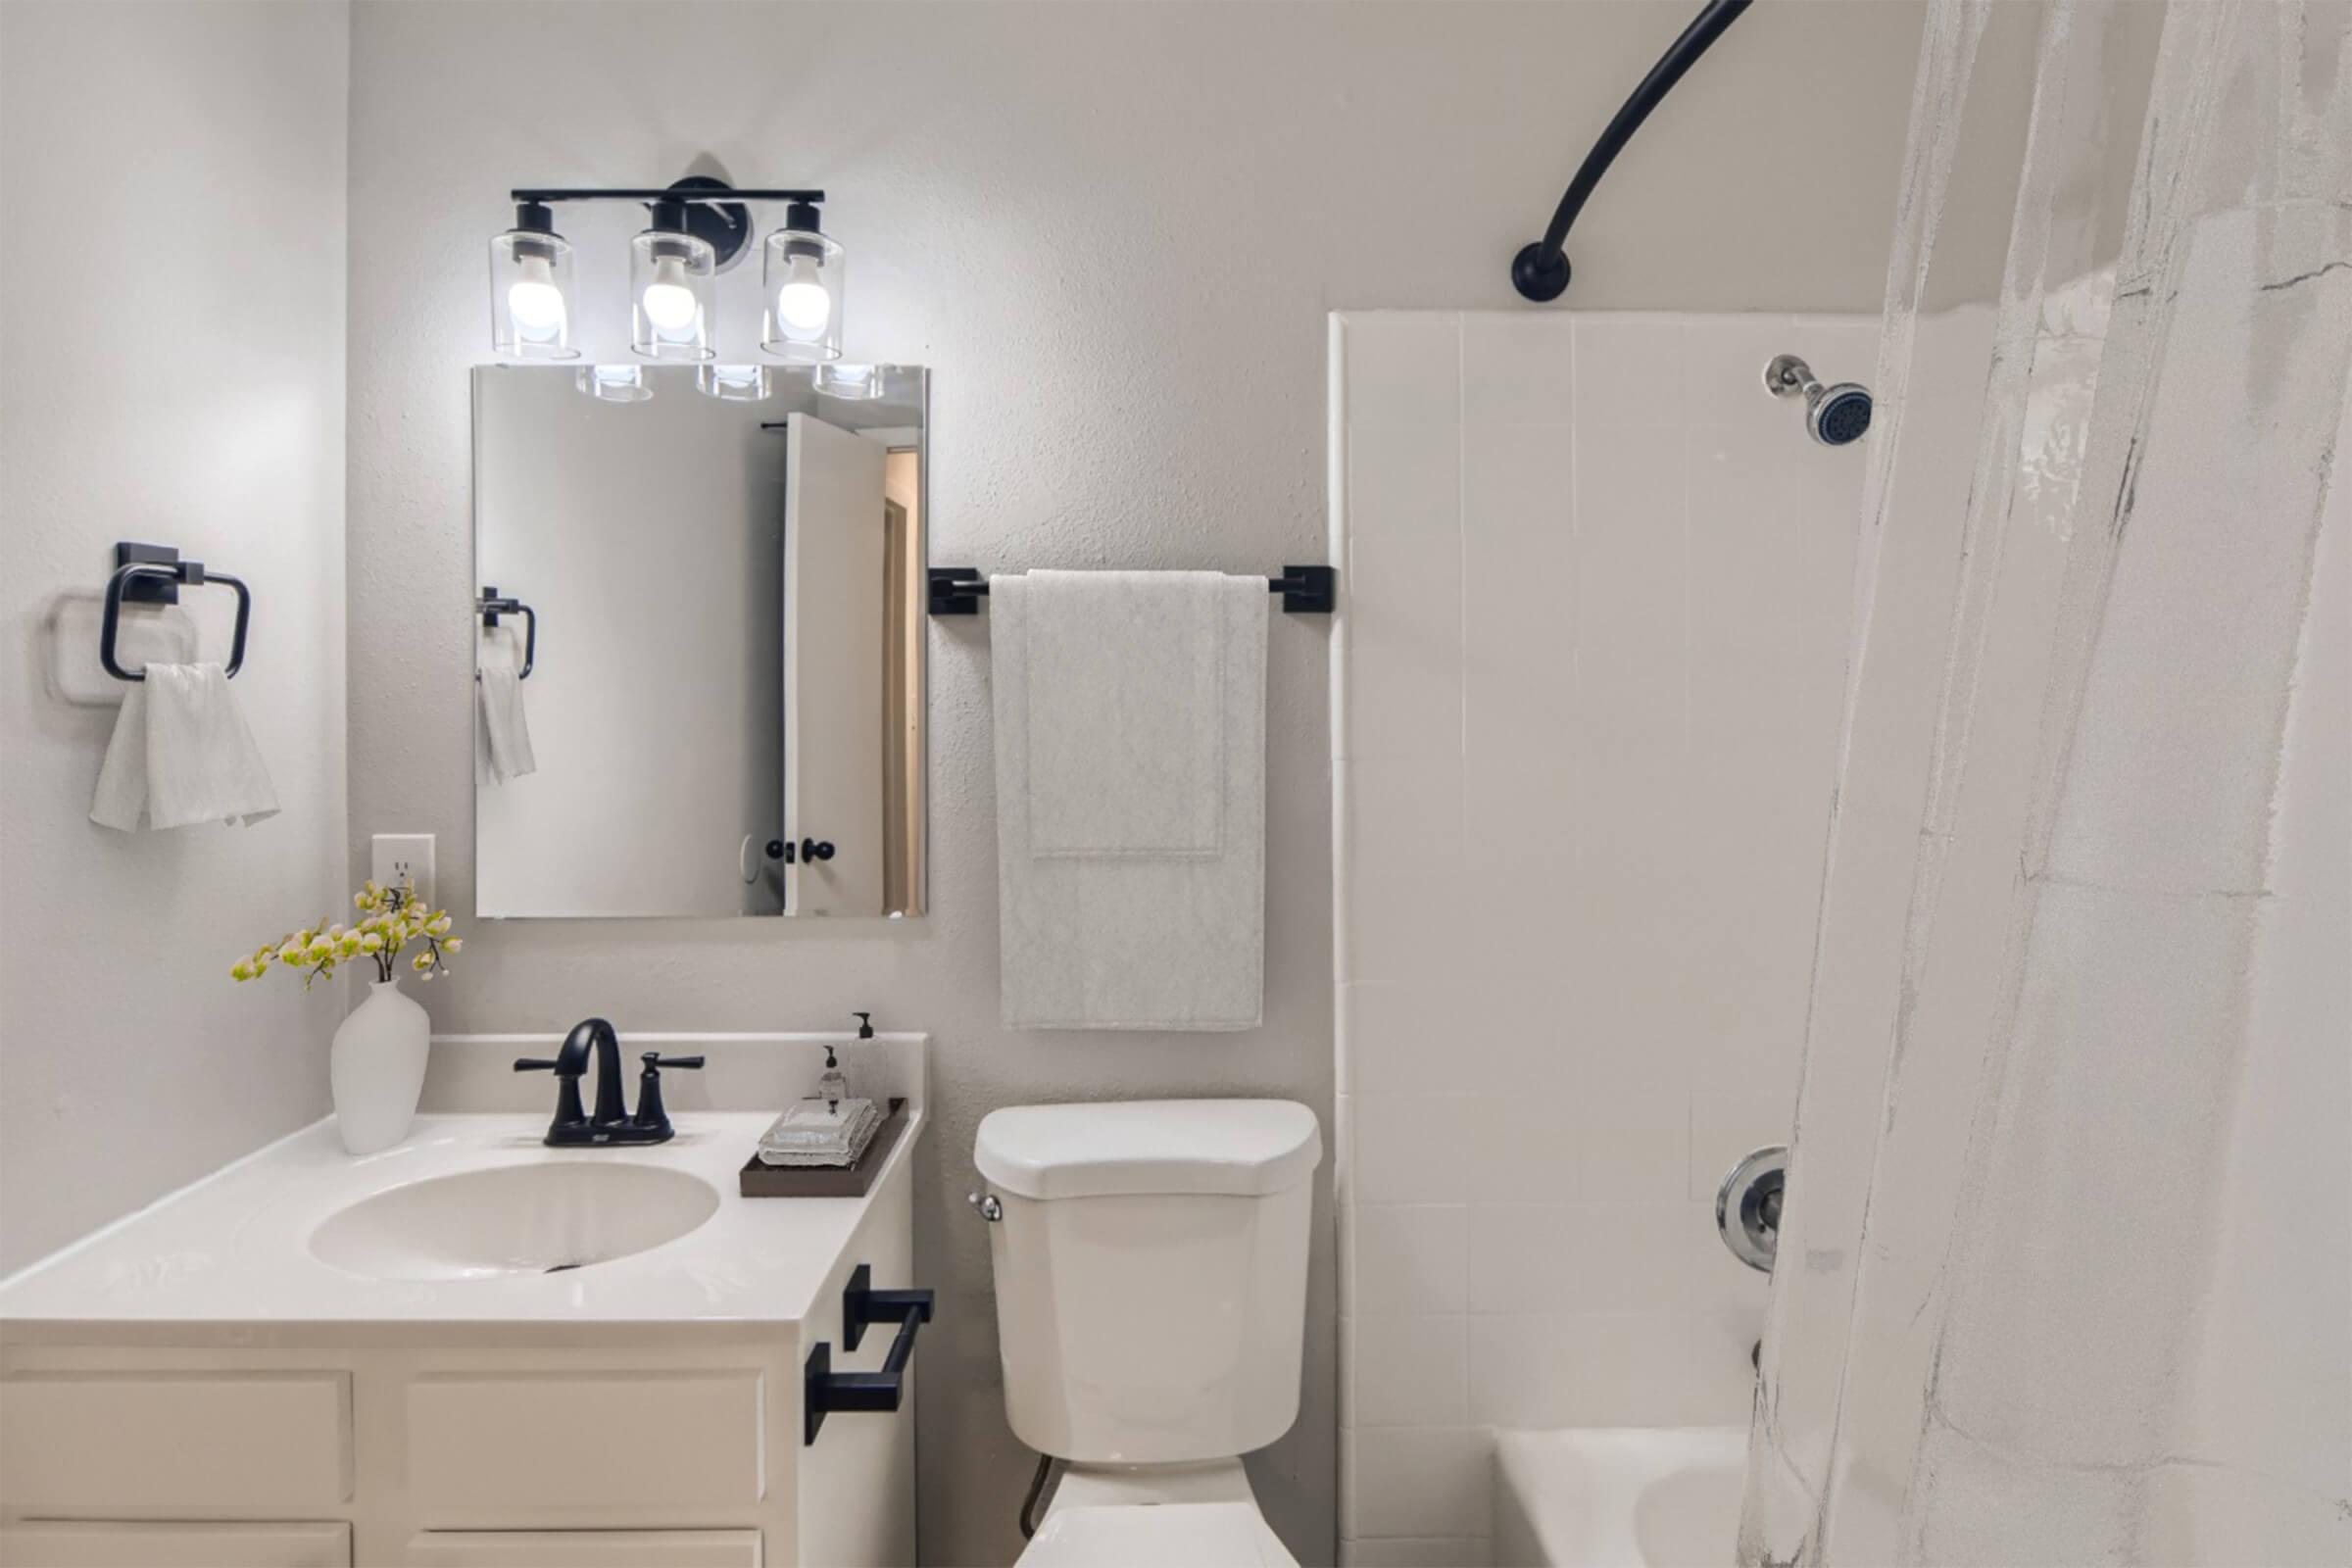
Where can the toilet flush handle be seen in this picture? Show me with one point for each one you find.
(991, 1207)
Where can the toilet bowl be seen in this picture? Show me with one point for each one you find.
(1141, 1516)
(1150, 1271)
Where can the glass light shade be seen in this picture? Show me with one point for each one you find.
(670, 295)
(530, 296)
(733, 383)
(613, 383)
(802, 274)
(852, 383)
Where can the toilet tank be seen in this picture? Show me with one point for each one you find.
(1150, 1271)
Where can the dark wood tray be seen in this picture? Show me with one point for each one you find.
(829, 1180)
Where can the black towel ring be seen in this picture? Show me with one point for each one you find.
(155, 576)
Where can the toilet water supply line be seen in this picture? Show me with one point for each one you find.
(1036, 1490)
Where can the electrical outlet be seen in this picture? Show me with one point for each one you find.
(405, 857)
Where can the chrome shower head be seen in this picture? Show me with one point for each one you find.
(1834, 414)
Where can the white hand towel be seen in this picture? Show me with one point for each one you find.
(1126, 754)
(181, 753)
(506, 729)
(1126, 899)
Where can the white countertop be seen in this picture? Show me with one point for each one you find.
(233, 1249)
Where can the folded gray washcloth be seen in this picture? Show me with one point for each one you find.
(814, 1133)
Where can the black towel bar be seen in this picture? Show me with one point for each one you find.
(1305, 590)
(153, 575)
(824, 1391)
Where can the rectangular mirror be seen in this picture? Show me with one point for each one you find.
(699, 642)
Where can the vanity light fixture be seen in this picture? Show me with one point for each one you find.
(530, 288)
(698, 227)
(803, 277)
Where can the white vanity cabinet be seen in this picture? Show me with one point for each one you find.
(651, 1418)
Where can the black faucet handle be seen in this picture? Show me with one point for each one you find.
(653, 1116)
(536, 1064)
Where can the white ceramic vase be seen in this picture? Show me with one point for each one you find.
(376, 1068)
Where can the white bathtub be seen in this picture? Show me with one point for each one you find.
(1618, 1497)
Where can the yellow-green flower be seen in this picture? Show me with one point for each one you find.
(387, 922)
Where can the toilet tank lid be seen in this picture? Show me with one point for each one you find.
(1132, 1148)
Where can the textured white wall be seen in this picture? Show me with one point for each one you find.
(1114, 232)
(172, 182)
(1598, 589)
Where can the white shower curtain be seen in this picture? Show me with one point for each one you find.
(2066, 1270)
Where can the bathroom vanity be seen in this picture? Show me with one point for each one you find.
(471, 1350)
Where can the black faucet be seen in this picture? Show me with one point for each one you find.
(612, 1124)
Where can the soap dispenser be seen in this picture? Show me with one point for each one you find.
(832, 1088)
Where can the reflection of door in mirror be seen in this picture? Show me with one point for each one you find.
(835, 534)
(905, 626)
(730, 648)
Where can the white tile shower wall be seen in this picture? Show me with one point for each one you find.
(1586, 697)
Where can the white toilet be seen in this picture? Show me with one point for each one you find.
(1150, 1268)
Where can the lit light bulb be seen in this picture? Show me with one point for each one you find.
(668, 300)
(534, 302)
(803, 304)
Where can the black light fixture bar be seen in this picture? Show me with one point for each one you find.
(1540, 270)
(715, 195)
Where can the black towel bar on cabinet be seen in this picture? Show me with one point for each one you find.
(1305, 590)
(824, 1391)
(490, 606)
(153, 575)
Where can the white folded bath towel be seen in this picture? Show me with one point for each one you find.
(181, 753)
(505, 730)
(1131, 799)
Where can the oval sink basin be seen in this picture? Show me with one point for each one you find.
(513, 1219)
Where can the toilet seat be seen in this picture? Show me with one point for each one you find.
(1167, 1535)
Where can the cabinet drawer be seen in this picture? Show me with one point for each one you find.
(104, 1543)
(237, 1444)
(584, 1549)
(496, 1447)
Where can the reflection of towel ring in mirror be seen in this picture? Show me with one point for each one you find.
(489, 606)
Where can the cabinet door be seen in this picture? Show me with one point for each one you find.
(857, 1481)
(99, 1544)
(584, 1549)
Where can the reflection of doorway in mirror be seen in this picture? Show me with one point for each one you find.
(904, 631)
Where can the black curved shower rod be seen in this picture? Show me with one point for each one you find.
(1541, 269)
